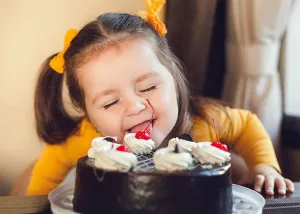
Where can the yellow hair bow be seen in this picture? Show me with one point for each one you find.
(58, 62)
(150, 16)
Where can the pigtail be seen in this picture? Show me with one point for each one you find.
(53, 124)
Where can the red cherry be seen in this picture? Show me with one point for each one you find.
(123, 148)
(144, 134)
(219, 145)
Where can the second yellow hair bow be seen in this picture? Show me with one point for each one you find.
(150, 16)
(57, 63)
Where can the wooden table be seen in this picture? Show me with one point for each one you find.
(287, 204)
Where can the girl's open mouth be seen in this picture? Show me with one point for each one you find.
(142, 126)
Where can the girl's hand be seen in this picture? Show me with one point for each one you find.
(268, 177)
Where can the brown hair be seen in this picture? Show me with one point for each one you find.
(53, 123)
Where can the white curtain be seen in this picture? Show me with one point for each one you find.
(255, 29)
(290, 63)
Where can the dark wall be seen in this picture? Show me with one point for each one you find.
(196, 32)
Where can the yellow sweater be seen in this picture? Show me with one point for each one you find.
(245, 134)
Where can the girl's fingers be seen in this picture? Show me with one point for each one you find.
(280, 184)
(259, 182)
(269, 185)
(289, 185)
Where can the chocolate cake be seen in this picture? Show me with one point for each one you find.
(204, 189)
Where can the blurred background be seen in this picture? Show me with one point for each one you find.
(245, 52)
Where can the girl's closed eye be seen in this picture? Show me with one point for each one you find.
(148, 89)
(110, 104)
(106, 106)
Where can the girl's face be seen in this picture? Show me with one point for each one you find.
(118, 82)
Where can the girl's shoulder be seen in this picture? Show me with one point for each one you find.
(226, 120)
(84, 135)
(222, 113)
(78, 144)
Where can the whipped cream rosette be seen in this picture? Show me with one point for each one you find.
(167, 159)
(115, 160)
(205, 153)
(183, 145)
(138, 146)
(102, 144)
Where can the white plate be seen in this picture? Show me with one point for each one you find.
(245, 200)
(61, 199)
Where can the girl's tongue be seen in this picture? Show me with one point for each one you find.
(141, 127)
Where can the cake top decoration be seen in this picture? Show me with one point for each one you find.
(186, 137)
(176, 149)
(167, 159)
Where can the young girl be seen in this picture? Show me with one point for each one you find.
(110, 67)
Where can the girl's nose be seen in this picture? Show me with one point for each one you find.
(135, 105)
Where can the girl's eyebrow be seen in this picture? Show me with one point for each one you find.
(102, 93)
(146, 76)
